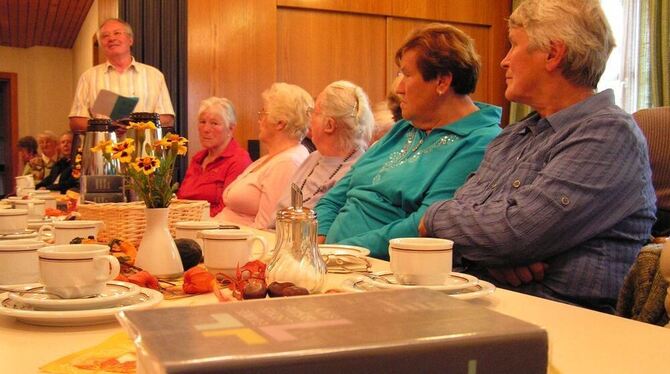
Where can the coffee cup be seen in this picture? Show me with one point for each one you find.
(189, 229)
(18, 261)
(76, 270)
(25, 181)
(64, 231)
(45, 195)
(421, 261)
(35, 207)
(226, 250)
(13, 220)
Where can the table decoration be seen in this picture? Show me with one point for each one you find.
(149, 171)
(116, 354)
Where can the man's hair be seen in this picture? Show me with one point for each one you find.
(442, 50)
(126, 25)
(28, 143)
(580, 24)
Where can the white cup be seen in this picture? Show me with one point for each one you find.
(18, 261)
(225, 250)
(22, 192)
(48, 198)
(76, 270)
(25, 181)
(64, 231)
(421, 261)
(35, 207)
(189, 229)
(13, 221)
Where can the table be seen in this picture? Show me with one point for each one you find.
(580, 340)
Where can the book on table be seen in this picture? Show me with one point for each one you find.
(413, 331)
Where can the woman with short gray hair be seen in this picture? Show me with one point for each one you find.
(222, 159)
(341, 127)
(282, 123)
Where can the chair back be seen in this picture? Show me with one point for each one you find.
(655, 124)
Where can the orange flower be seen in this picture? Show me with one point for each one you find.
(197, 280)
(142, 125)
(122, 151)
(173, 141)
(147, 164)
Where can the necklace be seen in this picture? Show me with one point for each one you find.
(322, 188)
(409, 154)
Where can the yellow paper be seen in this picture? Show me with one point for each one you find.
(114, 355)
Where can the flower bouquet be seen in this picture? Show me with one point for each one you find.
(149, 170)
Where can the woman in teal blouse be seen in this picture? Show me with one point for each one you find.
(425, 157)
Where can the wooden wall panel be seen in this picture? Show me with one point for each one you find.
(316, 48)
(462, 11)
(231, 53)
(237, 48)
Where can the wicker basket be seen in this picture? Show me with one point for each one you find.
(126, 221)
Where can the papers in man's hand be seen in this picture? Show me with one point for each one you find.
(113, 105)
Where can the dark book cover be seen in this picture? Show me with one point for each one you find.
(399, 331)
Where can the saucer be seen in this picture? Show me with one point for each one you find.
(113, 292)
(145, 299)
(339, 250)
(455, 281)
(23, 234)
(363, 283)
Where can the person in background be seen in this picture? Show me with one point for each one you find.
(120, 74)
(252, 198)
(341, 126)
(213, 168)
(425, 157)
(563, 200)
(42, 164)
(60, 177)
(387, 113)
(27, 148)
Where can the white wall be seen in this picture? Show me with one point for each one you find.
(44, 76)
(82, 50)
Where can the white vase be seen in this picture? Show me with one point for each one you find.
(158, 253)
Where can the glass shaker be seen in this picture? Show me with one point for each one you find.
(296, 256)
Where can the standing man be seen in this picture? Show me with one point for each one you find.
(120, 74)
(563, 200)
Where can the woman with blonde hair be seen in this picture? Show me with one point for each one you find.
(283, 122)
(222, 159)
(341, 127)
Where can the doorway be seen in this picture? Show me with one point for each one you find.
(9, 131)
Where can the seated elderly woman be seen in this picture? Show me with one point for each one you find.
(217, 165)
(425, 157)
(341, 126)
(41, 164)
(252, 198)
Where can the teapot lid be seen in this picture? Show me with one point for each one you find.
(99, 124)
(145, 117)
